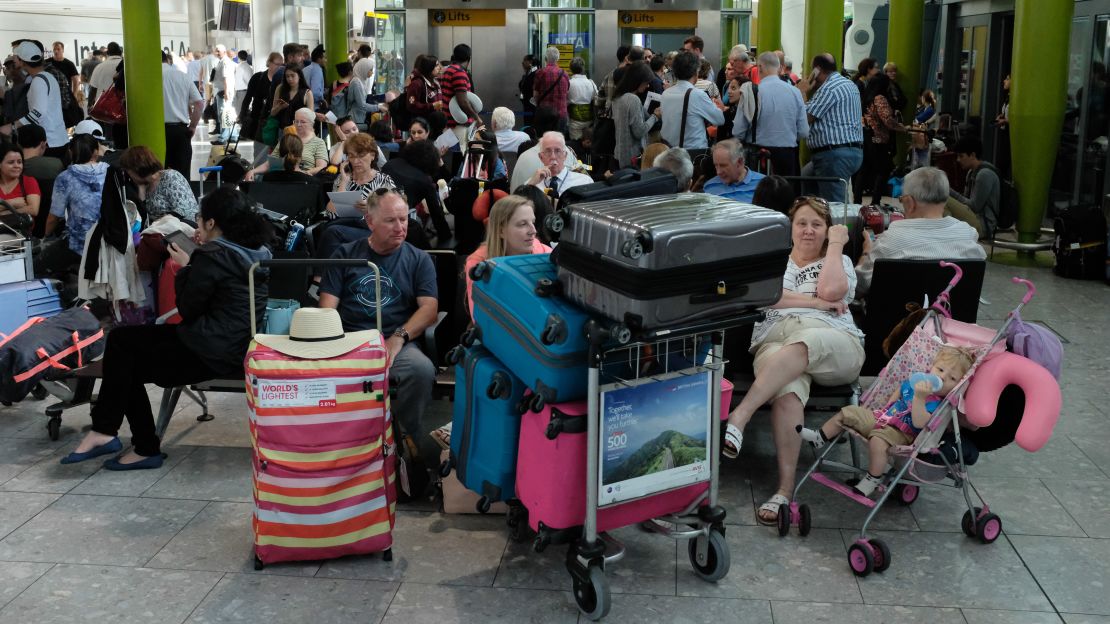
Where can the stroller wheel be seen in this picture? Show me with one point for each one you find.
(881, 554)
(860, 559)
(784, 519)
(907, 494)
(988, 528)
(968, 522)
(804, 520)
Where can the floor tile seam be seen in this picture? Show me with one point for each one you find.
(501, 561)
(385, 613)
(1106, 475)
(33, 516)
(29, 586)
(1037, 581)
(203, 598)
(167, 473)
(401, 584)
(176, 533)
(1065, 508)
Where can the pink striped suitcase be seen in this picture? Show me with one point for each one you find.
(551, 475)
(324, 468)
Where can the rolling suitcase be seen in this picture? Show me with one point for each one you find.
(20, 301)
(551, 476)
(663, 261)
(324, 465)
(625, 183)
(485, 429)
(536, 333)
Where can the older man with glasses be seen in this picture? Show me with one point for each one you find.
(554, 175)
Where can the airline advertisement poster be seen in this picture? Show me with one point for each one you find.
(654, 435)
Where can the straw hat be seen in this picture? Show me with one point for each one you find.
(316, 334)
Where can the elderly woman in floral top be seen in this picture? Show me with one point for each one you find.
(878, 153)
(162, 191)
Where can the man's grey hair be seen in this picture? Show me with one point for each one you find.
(788, 64)
(677, 161)
(375, 200)
(635, 53)
(928, 185)
(734, 147)
(551, 55)
(769, 61)
(736, 51)
(577, 65)
(503, 119)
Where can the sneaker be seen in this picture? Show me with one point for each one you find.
(814, 436)
(867, 485)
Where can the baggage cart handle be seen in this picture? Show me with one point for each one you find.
(345, 262)
(212, 168)
(804, 179)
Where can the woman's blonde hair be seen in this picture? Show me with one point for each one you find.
(499, 216)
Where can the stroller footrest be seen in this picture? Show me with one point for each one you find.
(851, 493)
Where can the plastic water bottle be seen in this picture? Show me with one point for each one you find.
(293, 238)
(934, 382)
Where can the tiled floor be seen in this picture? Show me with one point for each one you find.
(81, 544)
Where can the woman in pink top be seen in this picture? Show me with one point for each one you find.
(511, 231)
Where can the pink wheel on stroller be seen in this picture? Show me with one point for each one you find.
(860, 559)
(988, 528)
(907, 494)
(881, 553)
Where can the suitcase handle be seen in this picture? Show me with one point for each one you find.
(564, 423)
(315, 262)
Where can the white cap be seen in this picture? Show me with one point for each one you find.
(90, 128)
(28, 52)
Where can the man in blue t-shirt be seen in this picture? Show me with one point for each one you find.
(733, 180)
(408, 301)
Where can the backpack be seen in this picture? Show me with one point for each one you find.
(340, 101)
(71, 110)
(1036, 343)
(1007, 200)
(399, 113)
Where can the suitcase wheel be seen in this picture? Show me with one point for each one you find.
(554, 224)
(554, 332)
(455, 355)
(537, 403)
(483, 505)
(546, 287)
(258, 565)
(499, 387)
(632, 249)
(470, 336)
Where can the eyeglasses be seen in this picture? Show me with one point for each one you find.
(554, 151)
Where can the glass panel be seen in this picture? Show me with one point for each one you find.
(575, 29)
(973, 57)
(560, 4)
(1069, 156)
(743, 5)
(389, 4)
(735, 28)
(389, 53)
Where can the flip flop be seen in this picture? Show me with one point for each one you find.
(771, 506)
(735, 437)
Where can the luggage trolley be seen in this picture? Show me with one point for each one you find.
(661, 356)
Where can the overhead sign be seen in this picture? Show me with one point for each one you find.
(658, 19)
(566, 53)
(467, 17)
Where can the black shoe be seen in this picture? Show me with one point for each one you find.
(218, 142)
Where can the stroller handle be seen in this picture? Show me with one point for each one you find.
(1030, 289)
(955, 278)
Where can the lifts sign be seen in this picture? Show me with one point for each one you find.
(649, 20)
(467, 18)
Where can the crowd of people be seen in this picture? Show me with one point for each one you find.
(711, 129)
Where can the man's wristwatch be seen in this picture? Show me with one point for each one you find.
(403, 334)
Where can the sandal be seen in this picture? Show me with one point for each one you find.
(733, 439)
(771, 506)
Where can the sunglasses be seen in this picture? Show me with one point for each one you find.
(807, 199)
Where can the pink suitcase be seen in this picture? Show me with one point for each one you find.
(557, 497)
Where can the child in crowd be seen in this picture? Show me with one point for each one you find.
(907, 412)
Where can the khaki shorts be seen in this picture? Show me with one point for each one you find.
(862, 421)
(835, 356)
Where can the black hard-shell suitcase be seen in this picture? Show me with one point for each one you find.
(626, 183)
(662, 261)
(1080, 243)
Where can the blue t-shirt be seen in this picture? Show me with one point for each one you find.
(407, 273)
(902, 408)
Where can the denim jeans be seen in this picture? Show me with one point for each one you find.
(841, 163)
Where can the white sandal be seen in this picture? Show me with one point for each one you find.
(735, 437)
(771, 506)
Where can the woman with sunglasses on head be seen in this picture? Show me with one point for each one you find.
(359, 173)
(808, 336)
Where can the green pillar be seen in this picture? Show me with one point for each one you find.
(903, 48)
(1035, 119)
(824, 31)
(335, 34)
(142, 64)
(769, 25)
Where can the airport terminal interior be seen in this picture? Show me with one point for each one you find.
(81, 543)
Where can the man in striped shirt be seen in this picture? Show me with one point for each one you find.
(455, 84)
(836, 127)
(925, 233)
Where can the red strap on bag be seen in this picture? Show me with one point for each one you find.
(22, 328)
(54, 361)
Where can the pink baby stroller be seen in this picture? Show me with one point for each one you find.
(923, 463)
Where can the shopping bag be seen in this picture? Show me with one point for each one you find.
(110, 108)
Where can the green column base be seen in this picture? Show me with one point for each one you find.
(1042, 259)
